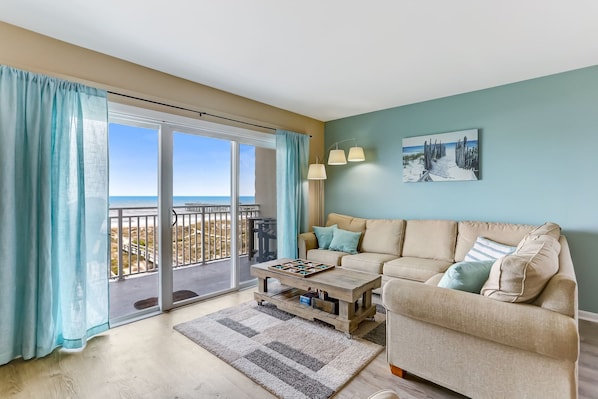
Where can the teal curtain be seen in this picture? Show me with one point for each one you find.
(292, 153)
(53, 213)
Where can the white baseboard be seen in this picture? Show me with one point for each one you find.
(589, 316)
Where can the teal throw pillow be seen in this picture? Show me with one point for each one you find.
(345, 241)
(467, 276)
(324, 235)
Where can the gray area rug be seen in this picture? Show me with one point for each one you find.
(291, 357)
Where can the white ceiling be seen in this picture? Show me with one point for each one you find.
(329, 59)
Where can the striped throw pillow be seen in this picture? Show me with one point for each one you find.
(485, 249)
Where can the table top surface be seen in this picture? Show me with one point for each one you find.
(336, 277)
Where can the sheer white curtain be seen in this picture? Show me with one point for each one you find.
(53, 211)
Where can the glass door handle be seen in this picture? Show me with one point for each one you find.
(176, 217)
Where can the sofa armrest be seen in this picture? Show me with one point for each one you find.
(305, 242)
(560, 294)
(522, 326)
(556, 296)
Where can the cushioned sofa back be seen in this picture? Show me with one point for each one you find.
(504, 233)
(432, 239)
(347, 223)
(383, 236)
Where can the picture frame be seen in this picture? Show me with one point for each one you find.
(451, 156)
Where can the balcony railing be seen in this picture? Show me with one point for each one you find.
(202, 233)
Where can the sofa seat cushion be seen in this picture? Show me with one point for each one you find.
(435, 279)
(366, 262)
(522, 326)
(383, 236)
(432, 239)
(418, 269)
(326, 256)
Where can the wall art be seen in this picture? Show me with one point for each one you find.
(452, 156)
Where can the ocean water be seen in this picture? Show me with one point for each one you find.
(449, 146)
(145, 201)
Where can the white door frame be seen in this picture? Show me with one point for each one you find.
(167, 124)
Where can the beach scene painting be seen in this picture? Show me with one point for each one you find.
(452, 156)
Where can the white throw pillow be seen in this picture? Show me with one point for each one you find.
(485, 249)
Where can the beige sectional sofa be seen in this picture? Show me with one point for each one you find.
(471, 343)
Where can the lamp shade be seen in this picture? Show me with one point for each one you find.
(337, 157)
(356, 154)
(316, 171)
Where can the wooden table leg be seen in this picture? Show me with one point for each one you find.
(262, 284)
(346, 310)
(366, 299)
(262, 287)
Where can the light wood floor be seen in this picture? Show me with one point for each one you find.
(148, 359)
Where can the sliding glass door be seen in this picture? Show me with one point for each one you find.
(133, 215)
(202, 229)
(212, 190)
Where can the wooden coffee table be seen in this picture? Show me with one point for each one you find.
(352, 289)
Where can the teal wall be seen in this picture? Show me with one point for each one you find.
(538, 162)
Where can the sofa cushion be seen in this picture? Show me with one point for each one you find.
(521, 276)
(345, 240)
(466, 276)
(505, 233)
(549, 229)
(434, 280)
(485, 249)
(366, 262)
(326, 256)
(431, 239)
(324, 235)
(347, 223)
(383, 236)
(418, 269)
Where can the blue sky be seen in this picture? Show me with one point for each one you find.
(201, 164)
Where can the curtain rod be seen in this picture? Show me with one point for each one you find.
(201, 113)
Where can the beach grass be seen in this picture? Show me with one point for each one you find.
(189, 245)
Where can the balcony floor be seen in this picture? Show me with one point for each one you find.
(203, 279)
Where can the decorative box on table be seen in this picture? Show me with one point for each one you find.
(329, 305)
(307, 298)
